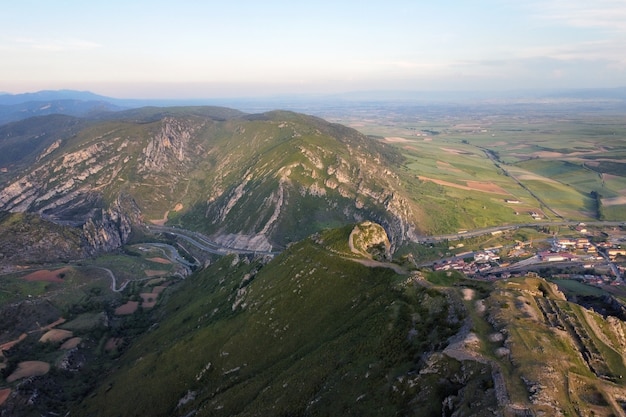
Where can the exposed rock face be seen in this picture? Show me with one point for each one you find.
(66, 187)
(111, 228)
(348, 180)
(61, 184)
(246, 242)
(167, 146)
(370, 240)
(273, 178)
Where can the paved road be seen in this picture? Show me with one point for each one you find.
(114, 287)
(203, 243)
(612, 265)
(494, 159)
(488, 230)
(172, 254)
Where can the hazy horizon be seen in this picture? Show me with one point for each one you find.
(198, 50)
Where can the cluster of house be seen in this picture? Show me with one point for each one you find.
(482, 262)
(615, 252)
(582, 243)
(521, 249)
(572, 249)
(568, 249)
(612, 250)
(487, 262)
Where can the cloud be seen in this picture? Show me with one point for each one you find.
(594, 31)
(598, 50)
(609, 15)
(56, 45)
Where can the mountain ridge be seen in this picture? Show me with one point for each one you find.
(15, 107)
(51, 95)
(262, 330)
(322, 320)
(274, 177)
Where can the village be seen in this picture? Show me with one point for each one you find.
(588, 259)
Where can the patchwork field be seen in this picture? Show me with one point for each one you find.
(27, 369)
(564, 166)
(128, 308)
(71, 343)
(480, 186)
(46, 275)
(69, 309)
(56, 335)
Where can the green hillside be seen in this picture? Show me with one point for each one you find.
(121, 294)
(278, 175)
(34, 241)
(310, 333)
(21, 142)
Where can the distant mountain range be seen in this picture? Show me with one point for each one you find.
(68, 102)
(51, 95)
(15, 107)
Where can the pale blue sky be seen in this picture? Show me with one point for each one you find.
(202, 49)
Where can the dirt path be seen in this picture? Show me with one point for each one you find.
(463, 347)
(50, 326)
(113, 280)
(375, 264)
(160, 222)
(9, 345)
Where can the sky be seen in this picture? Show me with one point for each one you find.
(246, 48)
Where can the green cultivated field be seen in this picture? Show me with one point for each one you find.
(547, 161)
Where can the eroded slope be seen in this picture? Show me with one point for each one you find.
(258, 180)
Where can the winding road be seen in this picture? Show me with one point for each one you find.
(114, 287)
(171, 254)
(203, 243)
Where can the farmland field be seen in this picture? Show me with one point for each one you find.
(577, 288)
(557, 163)
(29, 368)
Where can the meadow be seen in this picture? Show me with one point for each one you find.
(498, 165)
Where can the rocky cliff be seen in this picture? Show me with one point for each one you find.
(111, 228)
(370, 240)
(267, 179)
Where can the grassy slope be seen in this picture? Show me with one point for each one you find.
(546, 358)
(21, 142)
(36, 241)
(318, 333)
(225, 147)
(273, 149)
